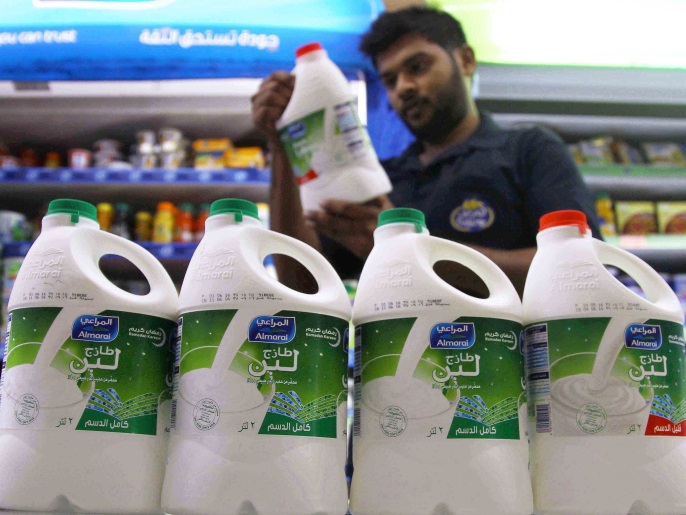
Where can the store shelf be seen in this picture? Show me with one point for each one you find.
(664, 252)
(15, 249)
(173, 256)
(637, 182)
(25, 189)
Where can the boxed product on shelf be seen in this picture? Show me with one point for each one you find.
(626, 154)
(597, 151)
(636, 217)
(671, 217)
(210, 154)
(664, 153)
(245, 157)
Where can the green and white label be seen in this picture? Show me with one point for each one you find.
(312, 154)
(252, 374)
(457, 379)
(107, 371)
(606, 376)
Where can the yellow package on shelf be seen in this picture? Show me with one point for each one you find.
(209, 153)
(245, 157)
(636, 217)
(671, 217)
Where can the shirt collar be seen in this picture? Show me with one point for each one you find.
(487, 135)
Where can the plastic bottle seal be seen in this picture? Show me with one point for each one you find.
(75, 208)
(306, 49)
(564, 217)
(237, 207)
(403, 215)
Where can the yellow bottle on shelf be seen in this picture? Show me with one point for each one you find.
(606, 214)
(143, 227)
(163, 223)
(105, 215)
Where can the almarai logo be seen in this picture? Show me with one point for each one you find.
(451, 335)
(643, 336)
(271, 329)
(296, 130)
(95, 328)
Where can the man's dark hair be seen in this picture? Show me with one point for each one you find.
(436, 26)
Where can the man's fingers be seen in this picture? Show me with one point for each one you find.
(333, 225)
(350, 210)
(280, 83)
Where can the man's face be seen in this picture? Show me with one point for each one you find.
(425, 85)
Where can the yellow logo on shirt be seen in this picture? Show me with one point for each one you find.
(472, 216)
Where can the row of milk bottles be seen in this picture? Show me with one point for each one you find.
(230, 397)
(254, 385)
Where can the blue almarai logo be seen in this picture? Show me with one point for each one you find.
(271, 329)
(643, 336)
(451, 335)
(95, 328)
(296, 130)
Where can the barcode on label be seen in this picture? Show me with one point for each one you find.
(173, 413)
(543, 418)
(357, 385)
(356, 422)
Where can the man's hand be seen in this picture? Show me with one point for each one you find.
(270, 101)
(352, 225)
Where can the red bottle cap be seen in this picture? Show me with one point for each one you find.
(564, 217)
(306, 49)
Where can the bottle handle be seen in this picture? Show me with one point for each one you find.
(162, 288)
(330, 287)
(653, 285)
(501, 291)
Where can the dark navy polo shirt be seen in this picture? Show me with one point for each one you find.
(489, 190)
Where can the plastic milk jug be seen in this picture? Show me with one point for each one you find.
(86, 384)
(440, 401)
(328, 147)
(261, 378)
(605, 377)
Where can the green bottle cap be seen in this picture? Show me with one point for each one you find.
(236, 206)
(75, 208)
(403, 215)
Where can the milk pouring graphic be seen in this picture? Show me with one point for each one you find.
(605, 378)
(439, 390)
(261, 378)
(327, 146)
(86, 385)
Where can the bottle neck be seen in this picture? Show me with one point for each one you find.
(67, 220)
(395, 229)
(561, 233)
(229, 219)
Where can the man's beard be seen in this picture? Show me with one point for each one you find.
(449, 109)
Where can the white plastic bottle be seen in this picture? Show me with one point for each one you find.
(327, 146)
(86, 384)
(260, 384)
(606, 379)
(439, 394)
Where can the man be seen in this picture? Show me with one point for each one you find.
(476, 183)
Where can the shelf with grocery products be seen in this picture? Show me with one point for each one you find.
(664, 252)
(175, 258)
(26, 188)
(637, 182)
